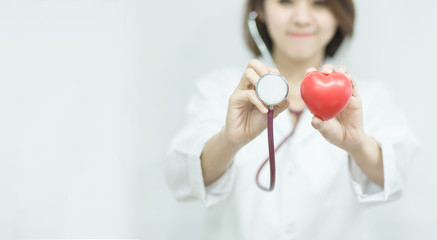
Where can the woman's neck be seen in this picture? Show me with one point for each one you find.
(294, 70)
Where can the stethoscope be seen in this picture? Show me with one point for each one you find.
(271, 89)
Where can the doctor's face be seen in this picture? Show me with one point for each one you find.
(299, 29)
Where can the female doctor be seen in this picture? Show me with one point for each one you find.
(328, 172)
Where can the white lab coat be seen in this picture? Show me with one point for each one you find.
(320, 192)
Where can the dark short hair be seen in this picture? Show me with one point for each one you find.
(343, 10)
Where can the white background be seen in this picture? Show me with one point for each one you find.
(92, 91)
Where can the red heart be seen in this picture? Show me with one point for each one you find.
(325, 95)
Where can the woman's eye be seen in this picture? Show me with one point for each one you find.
(320, 3)
(285, 1)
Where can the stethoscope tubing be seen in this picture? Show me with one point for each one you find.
(253, 29)
(271, 159)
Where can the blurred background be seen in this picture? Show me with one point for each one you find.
(91, 92)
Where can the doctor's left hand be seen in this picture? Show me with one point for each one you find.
(346, 129)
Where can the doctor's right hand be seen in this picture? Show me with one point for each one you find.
(247, 115)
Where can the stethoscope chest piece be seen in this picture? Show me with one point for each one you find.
(272, 88)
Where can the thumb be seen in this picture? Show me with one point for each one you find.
(320, 125)
(281, 107)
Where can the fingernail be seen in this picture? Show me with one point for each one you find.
(316, 122)
(327, 70)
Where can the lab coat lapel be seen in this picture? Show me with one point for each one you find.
(304, 128)
(283, 127)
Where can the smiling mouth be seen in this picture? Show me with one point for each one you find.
(301, 35)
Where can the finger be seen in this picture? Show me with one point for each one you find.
(258, 66)
(251, 95)
(327, 68)
(355, 91)
(249, 80)
(242, 98)
(325, 128)
(343, 69)
(320, 125)
(311, 69)
(272, 69)
(281, 107)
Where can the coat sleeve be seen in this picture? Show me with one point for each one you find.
(206, 116)
(387, 124)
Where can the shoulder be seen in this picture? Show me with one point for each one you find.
(369, 87)
(375, 93)
(379, 104)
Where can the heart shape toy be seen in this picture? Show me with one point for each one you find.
(325, 95)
